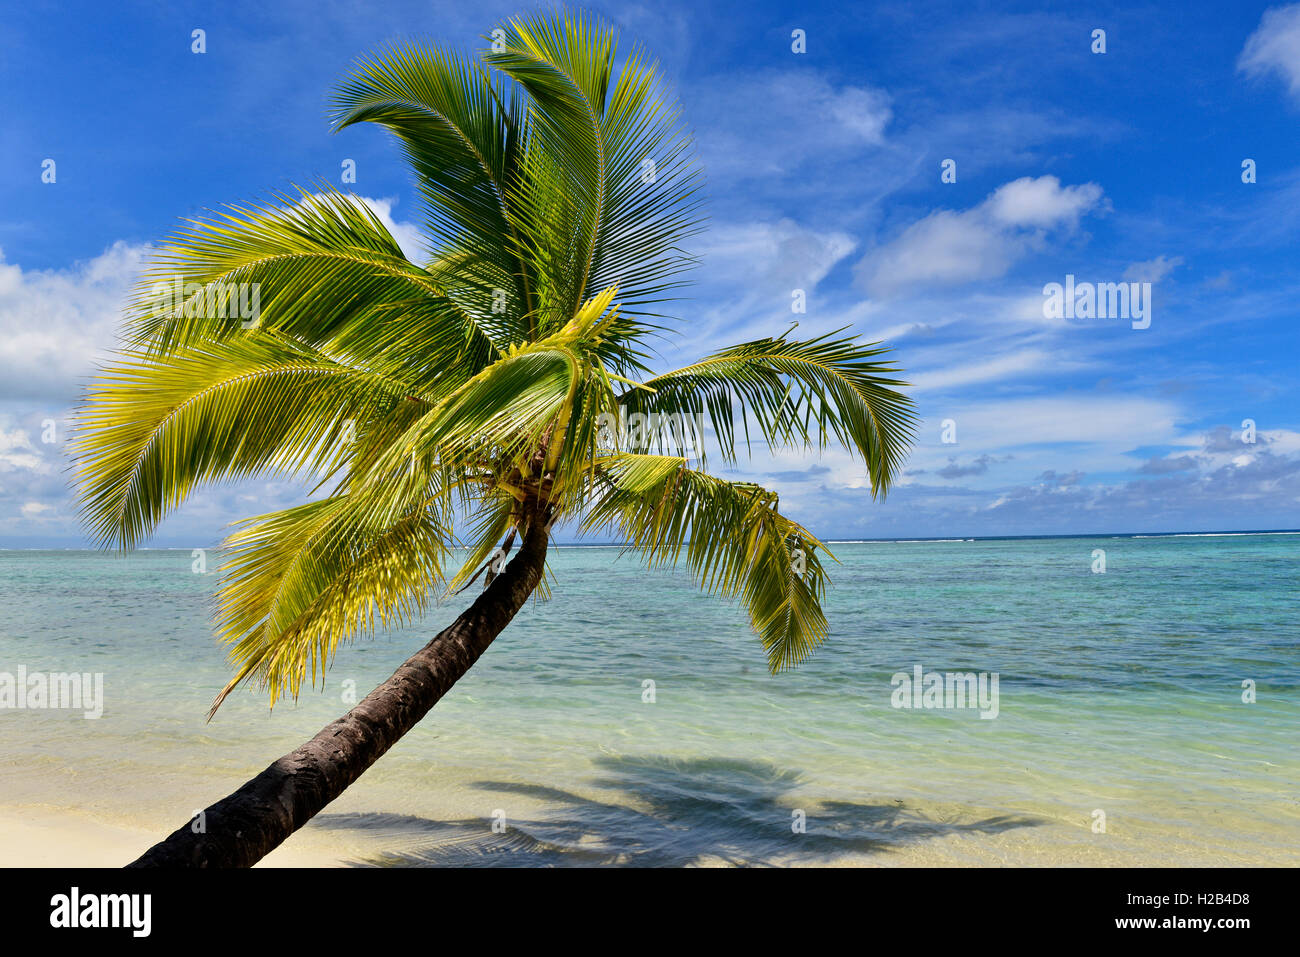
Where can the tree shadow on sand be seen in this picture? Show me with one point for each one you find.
(672, 813)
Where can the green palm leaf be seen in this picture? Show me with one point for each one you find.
(299, 581)
(798, 394)
(732, 537)
(154, 427)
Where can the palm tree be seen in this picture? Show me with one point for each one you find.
(477, 398)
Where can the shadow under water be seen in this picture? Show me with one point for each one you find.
(676, 813)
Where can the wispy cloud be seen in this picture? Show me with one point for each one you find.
(1274, 48)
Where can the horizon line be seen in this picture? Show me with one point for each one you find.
(828, 541)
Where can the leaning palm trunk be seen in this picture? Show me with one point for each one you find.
(241, 829)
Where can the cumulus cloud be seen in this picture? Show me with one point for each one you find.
(1223, 439)
(1274, 48)
(33, 486)
(414, 243)
(949, 247)
(1040, 203)
(17, 453)
(55, 324)
(56, 327)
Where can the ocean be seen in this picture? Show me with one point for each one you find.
(1148, 715)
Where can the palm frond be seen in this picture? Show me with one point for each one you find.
(298, 582)
(322, 270)
(156, 426)
(463, 135)
(799, 394)
(608, 177)
(730, 534)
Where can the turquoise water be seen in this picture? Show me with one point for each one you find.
(1118, 693)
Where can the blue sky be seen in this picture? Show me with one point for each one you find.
(824, 174)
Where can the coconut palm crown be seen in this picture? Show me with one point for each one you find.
(468, 398)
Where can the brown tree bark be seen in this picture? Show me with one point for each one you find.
(246, 826)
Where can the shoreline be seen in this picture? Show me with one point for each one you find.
(45, 836)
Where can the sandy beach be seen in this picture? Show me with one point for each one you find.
(42, 836)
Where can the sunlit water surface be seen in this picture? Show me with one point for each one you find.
(1120, 694)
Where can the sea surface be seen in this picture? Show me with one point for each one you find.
(1124, 732)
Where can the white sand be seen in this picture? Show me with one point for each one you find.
(43, 836)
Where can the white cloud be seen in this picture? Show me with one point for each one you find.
(17, 453)
(1274, 47)
(979, 243)
(1113, 421)
(863, 112)
(1223, 446)
(777, 256)
(944, 247)
(998, 442)
(55, 324)
(798, 100)
(1153, 270)
(1041, 203)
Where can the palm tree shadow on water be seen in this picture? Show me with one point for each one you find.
(678, 813)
